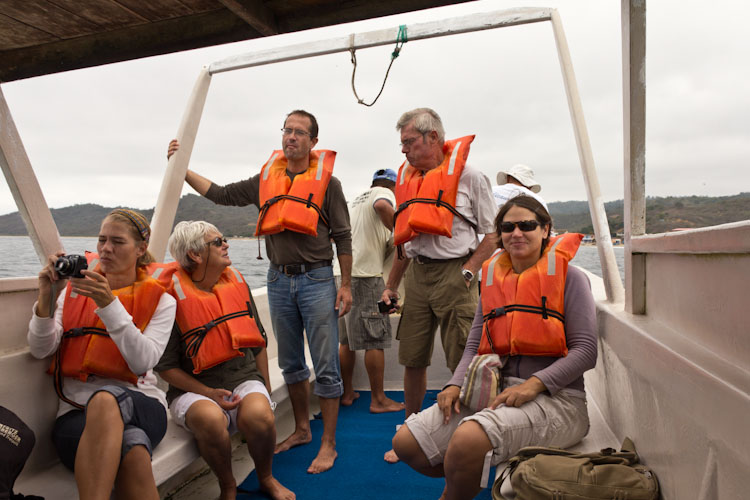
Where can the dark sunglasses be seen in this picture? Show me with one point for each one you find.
(523, 225)
(217, 242)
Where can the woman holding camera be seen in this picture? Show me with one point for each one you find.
(539, 314)
(216, 361)
(107, 329)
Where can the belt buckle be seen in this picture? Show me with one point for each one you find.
(292, 269)
(421, 259)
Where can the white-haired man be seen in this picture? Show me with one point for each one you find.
(444, 206)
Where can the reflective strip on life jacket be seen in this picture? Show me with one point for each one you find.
(524, 313)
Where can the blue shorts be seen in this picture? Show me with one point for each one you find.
(144, 417)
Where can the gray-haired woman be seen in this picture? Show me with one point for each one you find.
(216, 362)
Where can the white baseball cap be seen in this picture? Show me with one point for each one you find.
(522, 174)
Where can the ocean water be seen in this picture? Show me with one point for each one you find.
(19, 258)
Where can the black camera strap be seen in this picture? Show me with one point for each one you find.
(58, 377)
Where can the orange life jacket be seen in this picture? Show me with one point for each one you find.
(427, 202)
(213, 325)
(524, 314)
(293, 205)
(86, 348)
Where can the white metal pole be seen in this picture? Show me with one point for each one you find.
(419, 31)
(25, 188)
(174, 177)
(610, 272)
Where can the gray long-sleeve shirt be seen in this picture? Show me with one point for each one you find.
(290, 247)
(555, 372)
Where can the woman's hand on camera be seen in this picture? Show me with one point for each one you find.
(47, 277)
(447, 400)
(95, 286)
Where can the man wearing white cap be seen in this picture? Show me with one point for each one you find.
(518, 179)
(365, 328)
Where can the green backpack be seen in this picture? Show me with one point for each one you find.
(538, 473)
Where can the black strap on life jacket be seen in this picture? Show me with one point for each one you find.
(307, 202)
(194, 338)
(502, 311)
(544, 311)
(438, 202)
(57, 378)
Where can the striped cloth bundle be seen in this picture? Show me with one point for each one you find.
(483, 381)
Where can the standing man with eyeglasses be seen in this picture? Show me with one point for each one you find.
(443, 206)
(302, 208)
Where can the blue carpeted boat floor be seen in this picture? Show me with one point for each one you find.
(360, 471)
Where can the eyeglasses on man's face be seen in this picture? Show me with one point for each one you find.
(217, 242)
(524, 225)
(296, 131)
(408, 142)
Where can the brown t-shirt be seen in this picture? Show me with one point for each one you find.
(290, 247)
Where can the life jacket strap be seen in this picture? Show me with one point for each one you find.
(307, 202)
(438, 202)
(194, 338)
(544, 311)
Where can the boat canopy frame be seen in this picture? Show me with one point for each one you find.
(43, 231)
(166, 207)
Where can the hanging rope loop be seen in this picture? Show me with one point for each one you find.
(401, 39)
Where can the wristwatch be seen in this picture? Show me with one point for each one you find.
(468, 275)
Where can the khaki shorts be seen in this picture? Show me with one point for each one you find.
(365, 327)
(436, 295)
(561, 420)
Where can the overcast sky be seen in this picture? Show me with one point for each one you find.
(99, 135)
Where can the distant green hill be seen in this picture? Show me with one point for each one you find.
(84, 220)
(662, 215)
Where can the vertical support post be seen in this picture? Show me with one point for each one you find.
(634, 141)
(610, 272)
(25, 188)
(174, 177)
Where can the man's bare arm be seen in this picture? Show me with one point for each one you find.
(385, 211)
(196, 181)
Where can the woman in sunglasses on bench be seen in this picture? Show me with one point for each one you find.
(537, 315)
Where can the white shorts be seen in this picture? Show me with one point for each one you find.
(560, 420)
(182, 404)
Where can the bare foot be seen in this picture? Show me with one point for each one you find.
(390, 457)
(347, 400)
(385, 406)
(324, 461)
(275, 489)
(297, 438)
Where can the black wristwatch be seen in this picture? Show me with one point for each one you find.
(468, 275)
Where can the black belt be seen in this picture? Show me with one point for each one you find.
(292, 269)
(421, 259)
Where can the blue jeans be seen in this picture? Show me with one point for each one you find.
(306, 302)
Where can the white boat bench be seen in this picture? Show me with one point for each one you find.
(176, 460)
